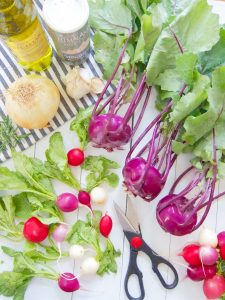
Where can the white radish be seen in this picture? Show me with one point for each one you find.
(208, 237)
(98, 195)
(76, 251)
(90, 265)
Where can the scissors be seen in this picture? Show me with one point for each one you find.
(132, 231)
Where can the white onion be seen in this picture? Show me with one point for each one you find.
(32, 101)
(98, 195)
(90, 265)
(208, 237)
(76, 251)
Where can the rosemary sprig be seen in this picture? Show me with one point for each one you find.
(8, 134)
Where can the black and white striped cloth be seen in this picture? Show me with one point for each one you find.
(10, 71)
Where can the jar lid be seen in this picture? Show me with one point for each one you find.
(66, 16)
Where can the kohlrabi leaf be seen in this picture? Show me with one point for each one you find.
(107, 51)
(215, 57)
(175, 7)
(110, 16)
(204, 148)
(185, 65)
(169, 81)
(135, 7)
(149, 33)
(197, 126)
(194, 30)
(189, 102)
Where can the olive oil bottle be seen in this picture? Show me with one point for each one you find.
(22, 32)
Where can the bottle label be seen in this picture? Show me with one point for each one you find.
(74, 46)
(30, 45)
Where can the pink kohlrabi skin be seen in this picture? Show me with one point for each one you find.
(106, 131)
(172, 219)
(146, 185)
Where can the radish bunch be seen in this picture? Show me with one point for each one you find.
(205, 259)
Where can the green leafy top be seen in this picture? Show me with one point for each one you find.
(87, 233)
(15, 283)
(99, 169)
(8, 134)
(81, 121)
(8, 226)
(213, 58)
(56, 166)
(194, 30)
(110, 16)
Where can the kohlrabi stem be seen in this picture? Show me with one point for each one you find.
(179, 178)
(177, 40)
(105, 104)
(142, 112)
(213, 183)
(117, 94)
(157, 118)
(185, 191)
(167, 155)
(134, 101)
(113, 75)
(202, 200)
(151, 146)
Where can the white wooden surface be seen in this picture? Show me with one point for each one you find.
(110, 287)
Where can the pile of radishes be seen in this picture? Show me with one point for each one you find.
(204, 259)
(36, 232)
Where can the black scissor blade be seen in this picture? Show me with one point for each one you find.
(125, 223)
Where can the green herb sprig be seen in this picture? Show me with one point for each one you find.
(8, 134)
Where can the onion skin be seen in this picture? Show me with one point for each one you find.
(32, 101)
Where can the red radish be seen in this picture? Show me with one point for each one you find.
(208, 255)
(67, 202)
(221, 238)
(59, 234)
(222, 252)
(84, 198)
(35, 231)
(198, 273)
(68, 283)
(214, 287)
(190, 254)
(105, 225)
(75, 157)
(136, 242)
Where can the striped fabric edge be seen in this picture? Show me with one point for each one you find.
(10, 71)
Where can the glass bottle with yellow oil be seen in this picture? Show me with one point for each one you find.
(22, 32)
